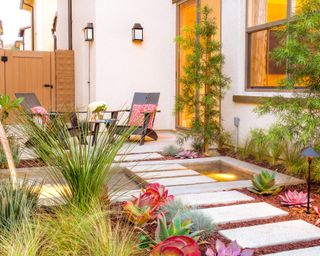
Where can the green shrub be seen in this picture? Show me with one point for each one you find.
(170, 150)
(84, 169)
(259, 144)
(199, 220)
(18, 202)
(16, 153)
(223, 139)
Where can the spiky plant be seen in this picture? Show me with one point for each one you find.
(18, 202)
(79, 172)
(170, 150)
(264, 184)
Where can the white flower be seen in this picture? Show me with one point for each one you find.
(97, 106)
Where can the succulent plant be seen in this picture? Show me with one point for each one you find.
(170, 150)
(176, 228)
(232, 249)
(145, 207)
(187, 154)
(177, 246)
(294, 199)
(264, 184)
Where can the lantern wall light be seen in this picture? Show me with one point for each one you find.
(89, 32)
(137, 33)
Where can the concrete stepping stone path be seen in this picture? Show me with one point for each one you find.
(224, 197)
(182, 181)
(137, 157)
(242, 212)
(167, 174)
(156, 167)
(311, 251)
(273, 234)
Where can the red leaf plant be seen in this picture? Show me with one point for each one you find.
(177, 246)
(232, 249)
(146, 207)
(294, 199)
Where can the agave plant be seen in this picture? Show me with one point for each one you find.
(264, 184)
(146, 207)
(294, 199)
(187, 154)
(232, 249)
(177, 246)
(176, 228)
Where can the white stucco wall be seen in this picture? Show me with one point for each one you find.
(234, 50)
(45, 12)
(62, 25)
(123, 67)
(84, 11)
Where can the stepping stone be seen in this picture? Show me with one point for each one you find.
(243, 212)
(311, 251)
(225, 197)
(137, 157)
(166, 174)
(156, 167)
(182, 180)
(258, 236)
(209, 187)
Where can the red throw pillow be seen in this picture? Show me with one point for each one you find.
(40, 115)
(138, 112)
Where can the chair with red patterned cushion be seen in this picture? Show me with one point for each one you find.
(142, 115)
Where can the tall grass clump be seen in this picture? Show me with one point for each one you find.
(80, 170)
(78, 232)
(18, 202)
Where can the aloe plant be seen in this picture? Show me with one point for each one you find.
(176, 228)
(177, 246)
(264, 184)
(232, 249)
(294, 199)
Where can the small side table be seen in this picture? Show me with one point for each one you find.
(96, 127)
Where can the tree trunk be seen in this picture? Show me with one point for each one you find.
(8, 154)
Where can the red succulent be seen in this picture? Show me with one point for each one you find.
(294, 199)
(177, 246)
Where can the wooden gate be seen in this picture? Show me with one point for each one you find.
(35, 72)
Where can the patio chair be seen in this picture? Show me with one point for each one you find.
(145, 129)
(31, 100)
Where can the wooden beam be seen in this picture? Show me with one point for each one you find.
(245, 99)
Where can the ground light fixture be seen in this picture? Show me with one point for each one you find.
(309, 153)
(137, 33)
(89, 32)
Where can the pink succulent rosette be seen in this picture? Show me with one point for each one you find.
(294, 199)
(40, 115)
(177, 246)
(145, 207)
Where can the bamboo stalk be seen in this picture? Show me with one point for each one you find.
(7, 151)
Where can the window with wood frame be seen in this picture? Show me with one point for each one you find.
(264, 17)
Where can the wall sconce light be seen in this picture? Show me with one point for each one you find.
(137, 32)
(89, 32)
(309, 153)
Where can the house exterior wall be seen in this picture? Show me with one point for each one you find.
(45, 11)
(124, 67)
(234, 50)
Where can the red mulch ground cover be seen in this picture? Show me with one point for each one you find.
(31, 163)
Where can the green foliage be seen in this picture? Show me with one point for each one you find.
(6, 105)
(170, 150)
(177, 227)
(18, 202)
(16, 153)
(79, 171)
(203, 81)
(224, 139)
(199, 220)
(259, 144)
(299, 52)
(264, 184)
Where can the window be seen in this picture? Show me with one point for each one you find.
(186, 17)
(263, 19)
